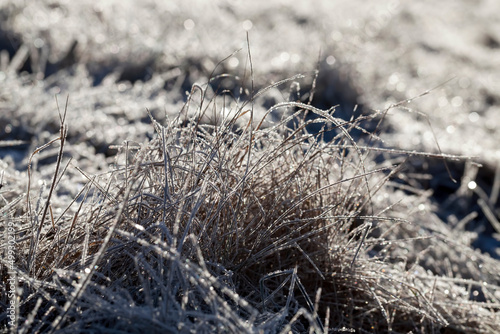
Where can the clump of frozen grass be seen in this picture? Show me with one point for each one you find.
(233, 226)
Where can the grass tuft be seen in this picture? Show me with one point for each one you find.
(231, 220)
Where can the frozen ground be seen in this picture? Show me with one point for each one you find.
(118, 59)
